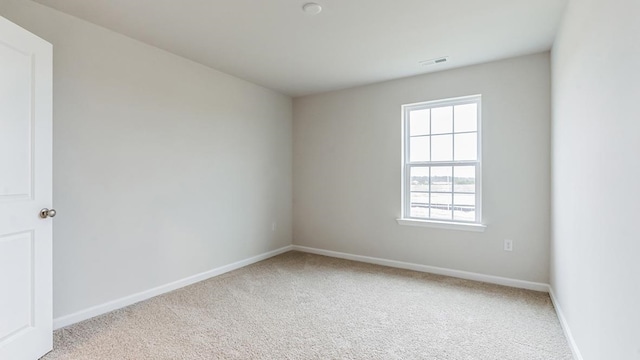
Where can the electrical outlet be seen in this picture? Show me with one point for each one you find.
(273, 226)
(508, 245)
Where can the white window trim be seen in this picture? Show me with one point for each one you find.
(451, 225)
(476, 225)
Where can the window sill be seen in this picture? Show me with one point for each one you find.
(443, 225)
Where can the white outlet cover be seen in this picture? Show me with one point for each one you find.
(508, 245)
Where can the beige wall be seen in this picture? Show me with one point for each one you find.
(347, 162)
(163, 168)
(596, 199)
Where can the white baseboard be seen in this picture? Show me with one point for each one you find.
(93, 311)
(565, 326)
(429, 269)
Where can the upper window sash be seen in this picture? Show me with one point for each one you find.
(407, 137)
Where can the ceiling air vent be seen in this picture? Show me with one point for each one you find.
(435, 61)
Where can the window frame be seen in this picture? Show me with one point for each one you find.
(407, 165)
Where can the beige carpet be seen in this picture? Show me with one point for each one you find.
(301, 306)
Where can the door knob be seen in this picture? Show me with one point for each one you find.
(45, 213)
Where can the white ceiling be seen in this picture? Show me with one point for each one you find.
(352, 42)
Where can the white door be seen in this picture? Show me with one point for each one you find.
(25, 188)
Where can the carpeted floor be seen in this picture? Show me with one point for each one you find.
(302, 306)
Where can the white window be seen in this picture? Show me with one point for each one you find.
(442, 161)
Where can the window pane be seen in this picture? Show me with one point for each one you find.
(465, 179)
(466, 146)
(441, 177)
(419, 122)
(442, 148)
(420, 205)
(464, 199)
(464, 213)
(419, 199)
(419, 178)
(466, 118)
(419, 148)
(419, 211)
(442, 120)
(441, 206)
